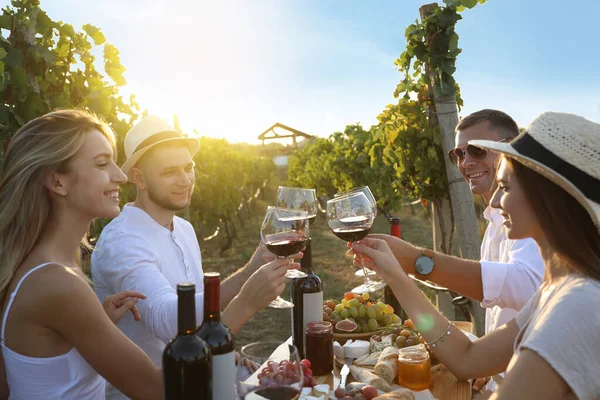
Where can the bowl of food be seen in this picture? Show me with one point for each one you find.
(357, 317)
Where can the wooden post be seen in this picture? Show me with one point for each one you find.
(462, 200)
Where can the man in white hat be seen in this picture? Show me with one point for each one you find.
(149, 249)
(509, 271)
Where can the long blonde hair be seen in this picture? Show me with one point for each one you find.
(41, 146)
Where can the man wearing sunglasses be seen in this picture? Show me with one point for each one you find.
(509, 271)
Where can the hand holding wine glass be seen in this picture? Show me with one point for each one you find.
(284, 232)
(351, 217)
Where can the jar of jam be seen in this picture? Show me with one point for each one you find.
(319, 347)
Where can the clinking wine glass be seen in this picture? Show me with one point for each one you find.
(280, 375)
(367, 192)
(293, 198)
(351, 217)
(284, 232)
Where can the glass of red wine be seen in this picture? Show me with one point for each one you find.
(293, 198)
(284, 232)
(351, 217)
(367, 192)
(280, 373)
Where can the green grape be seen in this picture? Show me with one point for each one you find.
(339, 308)
(378, 313)
(371, 312)
(381, 305)
(344, 301)
(364, 327)
(334, 315)
(362, 311)
(360, 320)
(353, 311)
(373, 325)
(358, 329)
(386, 319)
(395, 318)
(345, 314)
(353, 303)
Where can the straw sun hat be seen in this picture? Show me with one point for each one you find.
(565, 148)
(146, 134)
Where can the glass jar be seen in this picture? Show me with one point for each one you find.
(319, 347)
(414, 368)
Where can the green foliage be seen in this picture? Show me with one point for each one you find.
(46, 64)
(226, 178)
(345, 160)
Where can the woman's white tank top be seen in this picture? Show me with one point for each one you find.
(67, 376)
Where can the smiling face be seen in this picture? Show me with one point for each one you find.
(519, 218)
(91, 183)
(168, 171)
(480, 174)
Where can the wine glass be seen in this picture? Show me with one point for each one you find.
(376, 285)
(280, 375)
(294, 198)
(285, 233)
(351, 217)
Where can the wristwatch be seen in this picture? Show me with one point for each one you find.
(424, 264)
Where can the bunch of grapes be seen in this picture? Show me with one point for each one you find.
(364, 393)
(402, 335)
(369, 316)
(285, 373)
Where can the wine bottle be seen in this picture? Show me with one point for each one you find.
(187, 360)
(307, 296)
(220, 340)
(388, 295)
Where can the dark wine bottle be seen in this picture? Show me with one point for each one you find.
(220, 340)
(388, 295)
(307, 295)
(186, 359)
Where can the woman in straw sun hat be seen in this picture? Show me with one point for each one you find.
(549, 190)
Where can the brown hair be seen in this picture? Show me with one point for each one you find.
(44, 144)
(500, 122)
(568, 227)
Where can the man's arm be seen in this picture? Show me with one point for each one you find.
(494, 284)
(459, 275)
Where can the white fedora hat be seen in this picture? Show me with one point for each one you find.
(565, 148)
(146, 134)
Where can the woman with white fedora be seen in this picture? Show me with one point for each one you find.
(549, 190)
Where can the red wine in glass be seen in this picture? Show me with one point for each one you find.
(351, 234)
(274, 393)
(286, 248)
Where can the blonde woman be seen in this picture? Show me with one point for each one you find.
(58, 341)
(549, 190)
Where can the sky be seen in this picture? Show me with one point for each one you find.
(231, 69)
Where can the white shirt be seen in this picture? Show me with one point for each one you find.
(572, 349)
(511, 272)
(135, 252)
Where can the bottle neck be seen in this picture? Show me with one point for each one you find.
(306, 260)
(186, 313)
(395, 227)
(212, 292)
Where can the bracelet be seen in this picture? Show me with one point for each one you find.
(441, 337)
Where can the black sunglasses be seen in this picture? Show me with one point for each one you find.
(457, 154)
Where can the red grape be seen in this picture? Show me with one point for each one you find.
(340, 392)
(369, 392)
(308, 372)
(306, 362)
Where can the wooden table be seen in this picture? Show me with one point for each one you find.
(444, 385)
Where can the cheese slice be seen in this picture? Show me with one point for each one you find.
(368, 359)
(356, 349)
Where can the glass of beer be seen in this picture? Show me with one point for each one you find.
(414, 369)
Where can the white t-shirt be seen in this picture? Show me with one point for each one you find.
(136, 253)
(561, 324)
